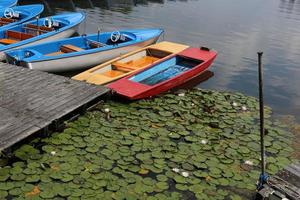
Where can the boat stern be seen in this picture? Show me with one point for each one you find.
(70, 18)
(129, 89)
(203, 53)
(146, 34)
(18, 57)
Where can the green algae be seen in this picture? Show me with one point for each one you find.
(201, 145)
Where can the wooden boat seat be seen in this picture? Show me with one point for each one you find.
(123, 67)
(40, 29)
(15, 35)
(4, 21)
(113, 73)
(134, 64)
(141, 62)
(54, 53)
(68, 48)
(8, 41)
(94, 44)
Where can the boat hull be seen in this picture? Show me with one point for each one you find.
(60, 35)
(172, 83)
(134, 90)
(85, 61)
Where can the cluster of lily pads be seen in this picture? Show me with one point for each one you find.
(198, 145)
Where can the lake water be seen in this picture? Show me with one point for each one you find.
(236, 29)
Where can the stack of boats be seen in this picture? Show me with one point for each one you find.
(127, 61)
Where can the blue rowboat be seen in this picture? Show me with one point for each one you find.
(17, 15)
(82, 52)
(8, 3)
(39, 31)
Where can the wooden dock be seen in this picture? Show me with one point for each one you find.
(285, 184)
(31, 101)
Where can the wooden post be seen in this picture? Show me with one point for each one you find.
(261, 110)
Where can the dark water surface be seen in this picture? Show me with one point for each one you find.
(236, 29)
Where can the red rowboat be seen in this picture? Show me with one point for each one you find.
(165, 75)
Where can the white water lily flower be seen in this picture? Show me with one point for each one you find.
(244, 108)
(193, 104)
(181, 94)
(203, 141)
(106, 110)
(234, 104)
(249, 162)
(175, 170)
(52, 153)
(185, 174)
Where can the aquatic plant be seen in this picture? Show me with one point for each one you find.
(200, 145)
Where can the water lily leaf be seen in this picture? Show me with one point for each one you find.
(162, 185)
(179, 179)
(181, 187)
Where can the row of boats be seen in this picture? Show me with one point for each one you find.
(128, 61)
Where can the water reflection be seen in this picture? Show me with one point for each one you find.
(287, 6)
(236, 29)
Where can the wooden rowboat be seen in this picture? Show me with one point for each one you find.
(83, 52)
(38, 31)
(125, 65)
(164, 75)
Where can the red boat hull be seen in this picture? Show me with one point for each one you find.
(134, 90)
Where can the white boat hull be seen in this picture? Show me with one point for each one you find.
(86, 61)
(65, 34)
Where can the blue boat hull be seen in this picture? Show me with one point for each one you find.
(42, 60)
(68, 24)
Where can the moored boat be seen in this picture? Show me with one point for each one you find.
(165, 75)
(39, 31)
(19, 14)
(129, 63)
(8, 3)
(82, 52)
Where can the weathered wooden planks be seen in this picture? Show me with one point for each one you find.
(32, 100)
(285, 184)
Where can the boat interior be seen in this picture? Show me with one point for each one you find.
(23, 32)
(14, 18)
(130, 63)
(86, 43)
(165, 70)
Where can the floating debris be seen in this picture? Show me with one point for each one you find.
(176, 170)
(244, 108)
(185, 174)
(249, 162)
(161, 148)
(204, 141)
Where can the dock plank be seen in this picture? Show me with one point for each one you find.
(31, 100)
